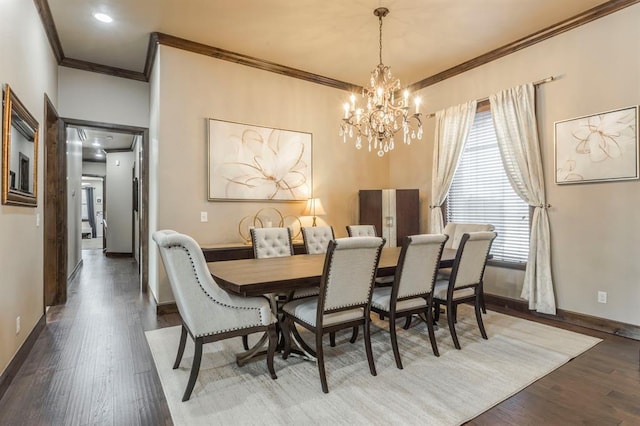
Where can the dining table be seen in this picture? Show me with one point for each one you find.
(255, 277)
(283, 275)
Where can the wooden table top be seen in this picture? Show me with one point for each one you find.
(252, 277)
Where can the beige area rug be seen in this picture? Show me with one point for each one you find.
(449, 390)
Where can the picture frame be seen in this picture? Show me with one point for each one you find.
(601, 147)
(255, 163)
(19, 152)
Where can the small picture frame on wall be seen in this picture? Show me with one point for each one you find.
(601, 147)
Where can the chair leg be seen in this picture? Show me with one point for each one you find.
(407, 323)
(455, 313)
(332, 339)
(367, 346)
(452, 324)
(484, 307)
(195, 369)
(286, 334)
(320, 360)
(245, 342)
(436, 311)
(477, 304)
(432, 335)
(271, 350)
(183, 342)
(354, 335)
(394, 340)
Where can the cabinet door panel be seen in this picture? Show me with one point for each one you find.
(407, 213)
(371, 208)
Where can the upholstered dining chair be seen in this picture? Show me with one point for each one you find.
(271, 242)
(209, 313)
(344, 300)
(368, 231)
(455, 230)
(316, 238)
(412, 289)
(267, 243)
(466, 280)
(361, 231)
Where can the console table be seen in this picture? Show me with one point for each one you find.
(235, 251)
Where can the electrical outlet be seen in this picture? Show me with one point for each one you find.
(17, 325)
(37, 219)
(602, 297)
(204, 217)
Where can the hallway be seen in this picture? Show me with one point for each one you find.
(91, 364)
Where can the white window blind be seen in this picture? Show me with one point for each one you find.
(481, 193)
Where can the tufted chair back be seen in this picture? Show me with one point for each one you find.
(316, 238)
(361, 231)
(456, 230)
(271, 242)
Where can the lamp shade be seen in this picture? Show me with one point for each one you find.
(313, 208)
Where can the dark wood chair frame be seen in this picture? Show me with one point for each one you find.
(320, 330)
(200, 341)
(393, 314)
(452, 305)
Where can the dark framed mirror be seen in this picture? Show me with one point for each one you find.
(19, 152)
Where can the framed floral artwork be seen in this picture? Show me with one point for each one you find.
(255, 163)
(597, 148)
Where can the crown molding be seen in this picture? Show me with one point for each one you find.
(544, 34)
(158, 38)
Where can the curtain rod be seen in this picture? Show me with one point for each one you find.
(535, 83)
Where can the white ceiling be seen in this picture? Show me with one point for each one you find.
(97, 141)
(332, 38)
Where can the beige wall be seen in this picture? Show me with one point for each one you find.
(103, 98)
(29, 67)
(119, 214)
(595, 228)
(194, 87)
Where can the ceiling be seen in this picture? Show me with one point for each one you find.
(96, 142)
(331, 38)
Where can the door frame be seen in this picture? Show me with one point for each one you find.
(55, 208)
(143, 232)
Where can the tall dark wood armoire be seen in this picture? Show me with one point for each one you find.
(394, 212)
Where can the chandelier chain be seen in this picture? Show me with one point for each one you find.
(380, 39)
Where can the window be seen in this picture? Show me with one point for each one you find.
(481, 193)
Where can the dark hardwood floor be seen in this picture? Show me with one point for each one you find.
(91, 365)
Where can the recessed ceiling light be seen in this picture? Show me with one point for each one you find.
(103, 17)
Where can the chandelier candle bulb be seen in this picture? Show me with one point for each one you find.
(417, 105)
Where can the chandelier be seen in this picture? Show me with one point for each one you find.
(385, 113)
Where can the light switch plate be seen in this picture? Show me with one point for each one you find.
(204, 217)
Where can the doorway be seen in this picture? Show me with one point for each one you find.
(100, 158)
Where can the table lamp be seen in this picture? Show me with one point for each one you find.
(314, 208)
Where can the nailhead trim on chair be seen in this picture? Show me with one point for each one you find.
(352, 304)
(217, 302)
